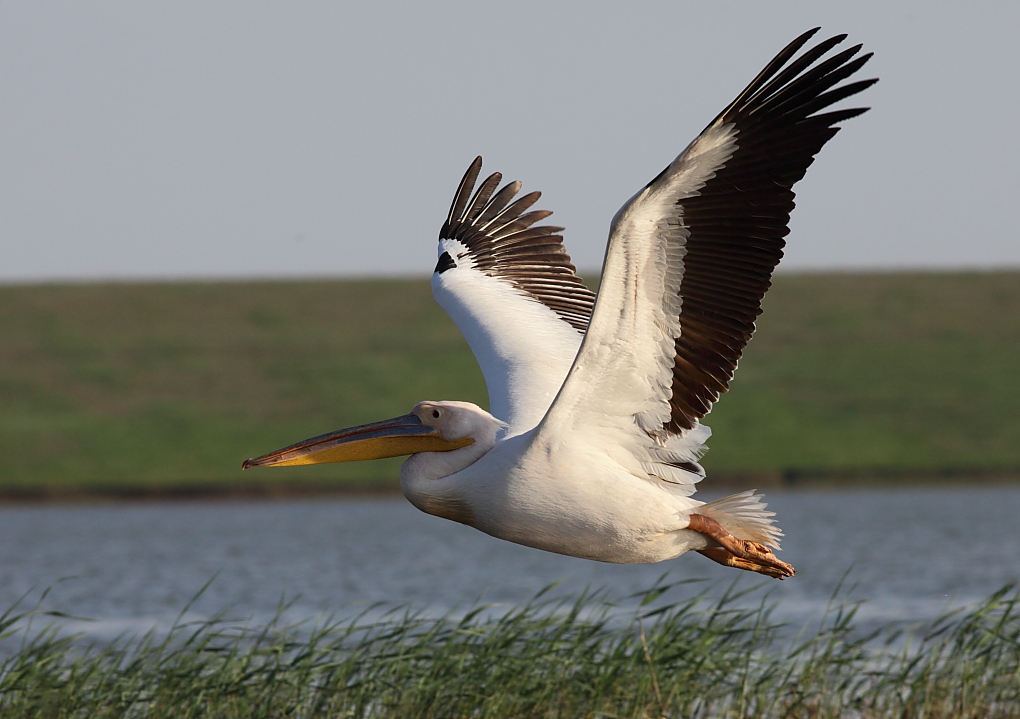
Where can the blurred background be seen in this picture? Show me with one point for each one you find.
(168, 164)
(218, 222)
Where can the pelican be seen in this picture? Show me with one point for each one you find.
(591, 445)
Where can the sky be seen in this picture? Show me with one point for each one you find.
(169, 140)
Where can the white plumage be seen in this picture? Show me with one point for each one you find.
(592, 445)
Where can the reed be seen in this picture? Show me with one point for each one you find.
(582, 657)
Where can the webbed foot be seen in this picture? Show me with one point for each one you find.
(739, 553)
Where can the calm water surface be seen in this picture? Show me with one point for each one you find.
(910, 553)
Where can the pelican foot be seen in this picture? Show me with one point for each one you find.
(720, 555)
(739, 553)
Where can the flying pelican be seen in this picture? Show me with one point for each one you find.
(591, 446)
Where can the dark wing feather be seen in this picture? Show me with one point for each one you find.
(501, 242)
(738, 221)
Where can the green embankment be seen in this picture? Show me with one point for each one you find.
(140, 387)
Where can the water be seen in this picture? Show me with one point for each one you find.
(910, 553)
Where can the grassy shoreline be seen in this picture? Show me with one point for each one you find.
(142, 389)
(573, 657)
(391, 488)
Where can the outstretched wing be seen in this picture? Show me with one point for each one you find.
(690, 258)
(511, 290)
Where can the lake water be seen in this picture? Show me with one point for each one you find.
(909, 553)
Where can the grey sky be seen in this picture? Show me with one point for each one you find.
(185, 139)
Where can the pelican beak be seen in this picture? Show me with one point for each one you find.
(389, 438)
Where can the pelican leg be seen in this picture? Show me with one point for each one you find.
(739, 553)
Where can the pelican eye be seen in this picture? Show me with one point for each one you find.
(435, 413)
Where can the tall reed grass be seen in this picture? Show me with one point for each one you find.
(574, 658)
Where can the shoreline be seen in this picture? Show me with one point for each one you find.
(765, 481)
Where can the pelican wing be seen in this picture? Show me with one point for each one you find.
(690, 258)
(513, 293)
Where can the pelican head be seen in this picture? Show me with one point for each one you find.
(430, 428)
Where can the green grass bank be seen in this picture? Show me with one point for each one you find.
(164, 388)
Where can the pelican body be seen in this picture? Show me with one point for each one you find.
(592, 441)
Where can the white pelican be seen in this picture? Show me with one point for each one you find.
(592, 444)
